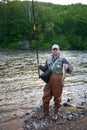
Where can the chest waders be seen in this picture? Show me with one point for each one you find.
(54, 87)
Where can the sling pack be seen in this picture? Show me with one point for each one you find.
(46, 75)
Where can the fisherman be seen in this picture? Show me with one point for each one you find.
(56, 82)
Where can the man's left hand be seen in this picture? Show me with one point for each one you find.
(66, 66)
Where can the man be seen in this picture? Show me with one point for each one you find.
(56, 82)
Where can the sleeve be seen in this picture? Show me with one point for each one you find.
(70, 69)
(44, 68)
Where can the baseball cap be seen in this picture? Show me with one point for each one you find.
(55, 46)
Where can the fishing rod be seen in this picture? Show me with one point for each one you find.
(36, 39)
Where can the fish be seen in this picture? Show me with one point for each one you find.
(64, 72)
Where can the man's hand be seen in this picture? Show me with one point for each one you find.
(38, 65)
(66, 66)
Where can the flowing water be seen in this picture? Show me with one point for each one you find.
(21, 89)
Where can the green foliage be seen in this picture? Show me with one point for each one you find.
(11, 45)
(63, 42)
(62, 24)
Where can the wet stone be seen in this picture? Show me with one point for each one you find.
(69, 117)
(27, 113)
(85, 114)
(64, 116)
(75, 115)
(44, 124)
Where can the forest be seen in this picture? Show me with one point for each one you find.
(65, 25)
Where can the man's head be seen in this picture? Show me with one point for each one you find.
(55, 50)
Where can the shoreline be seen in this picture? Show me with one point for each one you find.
(67, 115)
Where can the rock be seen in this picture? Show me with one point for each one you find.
(69, 117)
(26, 121)
(27, 113)
(64, 114)
(79, 107)
(85, 113)
(68, 100)
(66, 104)
(36, 125)
(83, 103)
(75, 115)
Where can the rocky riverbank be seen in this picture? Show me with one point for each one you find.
(66, 114)
(70, 118)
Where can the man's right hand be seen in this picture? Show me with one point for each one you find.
(38, 65)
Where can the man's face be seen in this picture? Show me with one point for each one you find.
(56, 51)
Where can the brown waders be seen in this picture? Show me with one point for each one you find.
(53, 88)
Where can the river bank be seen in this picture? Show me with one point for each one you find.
(70, 118)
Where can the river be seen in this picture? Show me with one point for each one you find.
(21, 89)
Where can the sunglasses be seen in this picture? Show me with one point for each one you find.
(55, 49)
